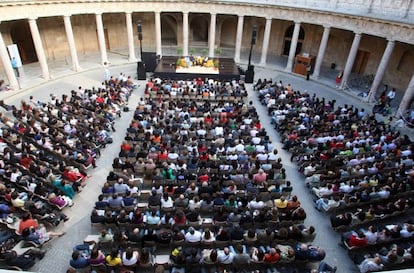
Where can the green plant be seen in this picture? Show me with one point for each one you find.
(217, 51)
(204, 51)
(179, 51)
(216, 63)
(192, 51)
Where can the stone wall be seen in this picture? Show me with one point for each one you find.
(344, 18)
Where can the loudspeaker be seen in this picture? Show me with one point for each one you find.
(141, 73)
(254, 35)
(150, 60)
(249, 74)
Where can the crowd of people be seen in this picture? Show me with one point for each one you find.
(357, 168)
(46, 149)
(198, 178)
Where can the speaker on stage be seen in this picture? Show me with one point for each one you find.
(249, 74)
(150, 60)
(141, 73)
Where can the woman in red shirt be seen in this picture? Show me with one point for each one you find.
(272, 257)
(357, 240)
(27, 222)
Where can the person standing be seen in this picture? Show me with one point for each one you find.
(339, 79)
(390, 95)
(308, 71)
(15, 67)
(107, 72)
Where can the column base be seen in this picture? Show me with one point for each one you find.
(14, 87)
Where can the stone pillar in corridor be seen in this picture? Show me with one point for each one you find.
(212, 35)
(381, 69)
(185, 33)
(158, 45)
(239, 37)
(130, 35)
(266, 39)
(351, 59)
(101, 37)
(407, 98)
(71, 42)
(5, 59)
(321, 52)
(37, 41)
(293, 45)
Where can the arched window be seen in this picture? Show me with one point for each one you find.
(288, 40)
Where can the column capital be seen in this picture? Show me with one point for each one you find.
(390, 40)
(240, 16)
(32, 18)
(186, 12)
(128, 12)
(213, 13)
(297, 22)
(269, 18)
(157, 12)
(357, 33)
(98, 13)
(328, 26)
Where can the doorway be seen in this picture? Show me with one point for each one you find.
(21, 36)
(360, 62)
(288, 40)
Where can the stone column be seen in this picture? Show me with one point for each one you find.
(101, 37)
(381, 69)
(37, 41)
(351, 59)
(185, 33)
(130, 34)
(408, 95)
(158, 44)
(71, 42)
(293, 45)
(321, 52)
(266, 39)
(239, 37)
(212, 35)
(5, 59)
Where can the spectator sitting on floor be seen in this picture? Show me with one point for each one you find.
(79, 260)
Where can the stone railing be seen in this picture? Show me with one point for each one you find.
(394, 10)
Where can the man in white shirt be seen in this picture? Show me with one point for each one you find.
(371, 235)
(225, 256)
(391, 95)
(193, 236)
(219, 131)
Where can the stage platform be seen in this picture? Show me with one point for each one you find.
(166, 69)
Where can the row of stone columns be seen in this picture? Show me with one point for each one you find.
(212, 33)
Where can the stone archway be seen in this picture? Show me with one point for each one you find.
(21, 36)
(288, 39)
(228, 32)
(169, 30)
(199, 26)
